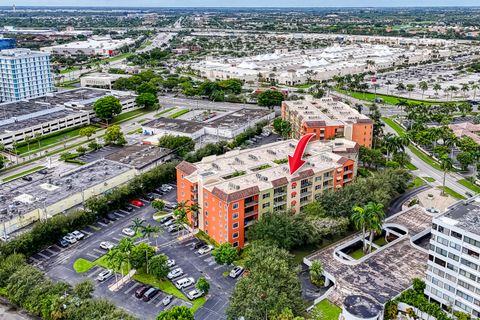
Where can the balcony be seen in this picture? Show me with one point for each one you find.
(250, 203)
(347, 171)
(250, 213)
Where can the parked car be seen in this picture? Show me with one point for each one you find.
(174, 228)
(137, 203)
(63, 243)
(70, 239)
(104, 221)
(198, 244)
(205, 249)
(194, 294)
(78, 235)
(152, 292)
(165, 219)
(129, 232)
(169, 223)
(184, 282)
(5, 238)
(106, 245)
(27, 178)
(104, 275)
(141, 291)
(170, 263)
(175, 273)
(166, 301)
(167, 187)
(128, 208)
(236, 271)
(149, 197)
(43, 171)
(112, 217)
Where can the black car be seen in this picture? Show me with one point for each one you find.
(141, 291)
(104, 221)
(159, 191)
(27, 178)
(62, 243)
(112, 217)
(165, 219)
(128, 208)
(198, 244)
(152, 292)
(43, 171)
(149, 197)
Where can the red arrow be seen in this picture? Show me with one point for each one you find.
(295, 162)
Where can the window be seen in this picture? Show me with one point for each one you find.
(442, 241)
(472, 241)
(266, 205)
(455, 246)
(265, 195)
(206, 204)
(235, 244)
(441, 251)
(470, 252)
(456, 235)
(235, 215)
(453, 256)
(206, 213)
(235, 225)
(235, 205)
(469, 264)
(235, 235)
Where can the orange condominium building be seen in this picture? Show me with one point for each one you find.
(235, 188)
(328, 119)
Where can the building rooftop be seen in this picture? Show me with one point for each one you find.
(266, 165)
(31, 121)
(388, 271)
(18, 196)
(362, 307)
(466, 129)
(239, 117)
(179, 125)
(464, 215)
(325, 112)
(19, 53)
(139, 156)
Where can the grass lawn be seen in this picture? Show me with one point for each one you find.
(410, 166)
(179, 113)
(469, 185)
(56, 138)
(395, 126)
(357, 254)
(387, 99)
(127, 115)
(165, 111)
(69, 70)
(81, 265)
(328, 310)
(68, 84)
(197, 303)
(158, 215)
(23, 173)
(429, 179)
(452, 193)
(380, 242)
(417, 182)
(303, 86)
(164, 285)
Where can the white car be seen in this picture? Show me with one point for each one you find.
(175, 273)
(129, 232)
(78, 235)
(170, 263)
(106, 245)
(184, 282)
(194, 294)
(70, 239)
(169, 223)
(104, 275)
(5, 238)
(166, 301)
(205, 249)
(236, 272)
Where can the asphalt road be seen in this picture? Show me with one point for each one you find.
(397, 203)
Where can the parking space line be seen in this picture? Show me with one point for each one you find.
(217, 267)
(99, 251)
(135, 285)
(51, 251)
(86, 232)
(95, 272)
(119, 214)
(208, 259)
(158, 304)
(92, 255)
(153, 299)
(115, 238)
(102, 224)
(43, 255)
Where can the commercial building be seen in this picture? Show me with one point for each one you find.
(24, 202)
(235, 188)
(100, 80)
(453, 272)
(328, 119)
(95, 46)
(225, 126)
(24, 74)
(53, 112)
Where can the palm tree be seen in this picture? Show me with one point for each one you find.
(437, 87)
(474, 87)
(125, 246)
(410, 88)
(388, 83)
(423, 85)
(465, 87)
(446, 165)
(376, 216)
(111, 259)
(150, 230)
(137, 224)
(360, 219)
(316, 272)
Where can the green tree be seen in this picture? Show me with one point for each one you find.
(179, 144)
(225, 253)
(107, 107)
(158, 266)
(262, 292)
(114, 135)
(147, 100)
(282, 127)
(147, 87)
(316, 273)
(202, 285)
(446, 165)
(141, 254)
(84, 289)
(465, 159)
(270, 98)
(360, 219)
(137, 224)
(87, 132)
(176, 313)
(158, 204)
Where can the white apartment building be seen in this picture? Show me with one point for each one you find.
(24, 74)
(453, 272)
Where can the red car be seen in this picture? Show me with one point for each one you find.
(137, 203)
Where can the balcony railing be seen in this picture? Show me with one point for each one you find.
(250, 203)
(250, 213)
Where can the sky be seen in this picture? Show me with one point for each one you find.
(243, 3)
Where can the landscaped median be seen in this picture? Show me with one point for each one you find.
(469, 185)
(23, 173)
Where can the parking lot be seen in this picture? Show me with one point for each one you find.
(58, 262)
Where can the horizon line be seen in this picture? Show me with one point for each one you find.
(239, 7)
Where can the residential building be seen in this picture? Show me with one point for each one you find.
(236, 188)
(453, 272)
(7, 43)
(328, 119)
(24, 74)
